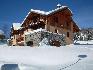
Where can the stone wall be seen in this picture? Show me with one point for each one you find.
(34, 37)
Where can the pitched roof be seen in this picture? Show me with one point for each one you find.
(16, 26)
(57, 9)
(46, 13)
(49, 12)
(39, 12)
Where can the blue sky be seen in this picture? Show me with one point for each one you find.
(16, 10)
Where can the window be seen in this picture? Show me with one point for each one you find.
(67, 34)
(56, 31)
(67, 25)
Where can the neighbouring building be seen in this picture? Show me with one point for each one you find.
(16, 34)
(57, 21)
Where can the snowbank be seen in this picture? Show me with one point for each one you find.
(84, 42)
(36, 56)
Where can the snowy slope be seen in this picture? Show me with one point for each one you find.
(48, 58)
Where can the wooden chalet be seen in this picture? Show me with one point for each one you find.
(57, 21)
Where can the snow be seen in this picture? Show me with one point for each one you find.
(84, 42)
(57, 9)
(48, 58)
(47, 13)
(44, 43)
(16, 26)
(39, 12)
(31, 32)
(58, 5)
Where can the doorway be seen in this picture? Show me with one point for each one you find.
(30, 43)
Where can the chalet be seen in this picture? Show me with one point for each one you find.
(57, 21)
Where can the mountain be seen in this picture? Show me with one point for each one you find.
(2, 36)
(5, 27)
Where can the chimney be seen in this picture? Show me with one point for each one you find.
(58, 5)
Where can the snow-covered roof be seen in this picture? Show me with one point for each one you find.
(49, 12)
(16, 26)
(46, 13)
(57, 9)
(26, 17)
(39, 12)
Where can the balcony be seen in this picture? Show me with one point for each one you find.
(37, 25)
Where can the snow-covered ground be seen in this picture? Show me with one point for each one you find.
(84, 42)
(69, 57)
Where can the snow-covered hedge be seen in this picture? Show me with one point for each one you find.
(84, 35)
(44, 37)
(47, 37)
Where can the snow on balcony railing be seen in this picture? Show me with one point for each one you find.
(31, 32)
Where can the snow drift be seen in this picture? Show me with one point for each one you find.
(48, 58)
